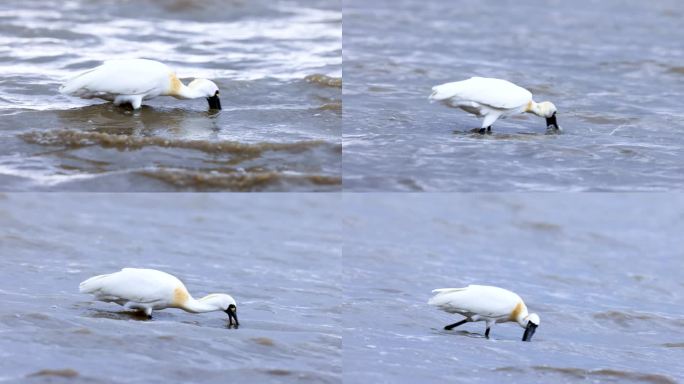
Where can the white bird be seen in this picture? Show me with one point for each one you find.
(493, 99)
(485, 303)
(148, 289)
(135, 80)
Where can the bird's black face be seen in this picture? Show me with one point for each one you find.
(529, 331)
(214, 101)
(232, 315)
(551, 121)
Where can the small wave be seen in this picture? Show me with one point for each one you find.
(279, 372)
(76, 139)
(326, 81)
(335, 106)
(265, 341)
(626, 318)
(41, 176)
(596, 374)
(608, 120)
(67, 373)
(541, 226)
(241, 181)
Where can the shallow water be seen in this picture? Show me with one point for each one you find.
(604, 275)
(279, 256)
(278, 65)
(613, 68)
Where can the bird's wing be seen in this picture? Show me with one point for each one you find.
(119, 77)
(447, 290)
(131, 284)
(476, 299)
(495, 93)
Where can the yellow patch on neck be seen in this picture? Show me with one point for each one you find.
(175, 85)
(180, 296)
(519, 308)
(528, 108)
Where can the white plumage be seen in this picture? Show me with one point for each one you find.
(492, 99)
(149, 289)
(485, 303)
(135, 80)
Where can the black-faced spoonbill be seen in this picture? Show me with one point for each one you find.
(148, 289)
(493, 99)
(135, 80)
(485, 303)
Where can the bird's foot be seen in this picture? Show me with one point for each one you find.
(551, 130)
(482, 131)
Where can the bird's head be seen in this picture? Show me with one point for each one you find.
(229, 306)
(231, 310)
(531, 322)
(548, 110)
(208, 89)
(225, 303)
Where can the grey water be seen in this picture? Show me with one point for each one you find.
(278, 65)
(279, 256)
(604, 274)
(614, 69)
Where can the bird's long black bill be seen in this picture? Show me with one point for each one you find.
(529, 331)
(232, 318)
(551, 122)
(214, 102)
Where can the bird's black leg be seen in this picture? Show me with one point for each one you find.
(487, 332)
(489, 129)
(454, 325)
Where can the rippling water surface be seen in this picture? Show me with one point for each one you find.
(604, 274)
(614, 69)
(278, 65)
(279, 256)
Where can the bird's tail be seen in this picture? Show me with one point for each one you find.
(437, 299)
(92, 285)
(74, 84)
(441, 92)
(433, 95)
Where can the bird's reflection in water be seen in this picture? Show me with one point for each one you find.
(147, 121)
(118, 315)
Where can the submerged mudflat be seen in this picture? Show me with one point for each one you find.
(602, 274)
(617, 82)
(282, 268)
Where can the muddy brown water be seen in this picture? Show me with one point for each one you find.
(278, 65)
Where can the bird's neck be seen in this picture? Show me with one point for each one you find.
(204, 304)
(185, 92)
(533, 107)
(519, 313)
(181, 91)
